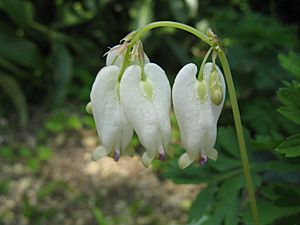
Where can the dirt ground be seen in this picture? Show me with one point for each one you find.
(70, 189)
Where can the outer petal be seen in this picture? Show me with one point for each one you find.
(148, 115)
(113, 128)
(115, 58)
(197, 120)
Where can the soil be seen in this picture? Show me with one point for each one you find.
(71, 189)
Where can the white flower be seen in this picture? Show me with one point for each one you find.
(197, 106)
(112, 127)
(147, 105)
(115, 56)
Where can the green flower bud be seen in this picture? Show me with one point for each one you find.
(88, 108)
(202, 90)
(214, 79)
(217, 95)
(215, 88)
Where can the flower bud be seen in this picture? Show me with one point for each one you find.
(216, 95)
(202, 90)
(88, 108)
(214, 79)
(197, 115)
(215, 87)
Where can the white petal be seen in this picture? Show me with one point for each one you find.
(149, 116)
(197, 120)
(113, 128)
(212, 154)
(161, 101)
(184, 161)
(99, 152)
(115, 58)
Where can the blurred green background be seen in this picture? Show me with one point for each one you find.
(50, 52)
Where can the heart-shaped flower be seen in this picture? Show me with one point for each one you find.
(112, 127)
(197, 106)
(146, 98)
(114, 130)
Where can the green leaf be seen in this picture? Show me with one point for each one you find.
(232, 215)
(141, 13)
(227, 195)
(19, 11)
(12, 89)
(74, 122)
(201, 202)
(282, 167)
(227, 140)
(63, 71)
(44, 153)
(99, 217)
(225, 163)
(290, 147)
(19, 50)
(281, 201)
(269, 212)
(291, 63)
(7, 152)
(179, 10)
(72, 14)
(191, 175)
(289, 96)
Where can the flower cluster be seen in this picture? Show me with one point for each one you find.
(139, 99)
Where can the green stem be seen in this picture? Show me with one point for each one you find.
(48, 31)
(125, 62)
(200, 74)
(150, 26)
(240, 136)
(180, 26)
(232, 96)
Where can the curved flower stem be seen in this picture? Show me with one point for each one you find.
(200, 74)
(150, 26)
(235, 109)
(240, 136)
(125, 63)
(180, 26)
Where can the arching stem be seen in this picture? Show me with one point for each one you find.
(200, 74)
(235, 109)
(240, 136)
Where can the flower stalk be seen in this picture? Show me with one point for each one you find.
(215, 44)
(240, 136)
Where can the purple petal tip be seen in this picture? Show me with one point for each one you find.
(116, 156)
(203, 160)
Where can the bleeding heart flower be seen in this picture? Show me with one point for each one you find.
(197, 106)
(146, 99)
(113, 128)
